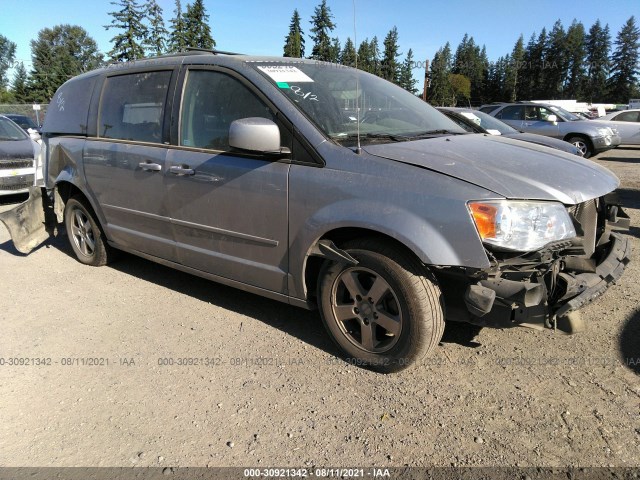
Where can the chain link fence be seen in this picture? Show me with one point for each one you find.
(25, 109)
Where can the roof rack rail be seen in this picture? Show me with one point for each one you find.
(210, 50)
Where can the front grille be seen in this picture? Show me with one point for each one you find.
(19, 182)
(6, 164)
(586, 214)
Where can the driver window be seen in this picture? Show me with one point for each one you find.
(211, 101)
(545, 113)
(531, 113)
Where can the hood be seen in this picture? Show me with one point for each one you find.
(546, 141)
(16, 149)
(510, 168)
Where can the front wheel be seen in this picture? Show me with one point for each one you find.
(583, 145)
(85, 236)
(386, 312)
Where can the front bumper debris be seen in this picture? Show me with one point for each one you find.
(547, 288)
(606, 274)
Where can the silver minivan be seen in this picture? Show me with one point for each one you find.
(323, 186)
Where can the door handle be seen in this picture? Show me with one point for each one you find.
(178, 170)
(150, 167)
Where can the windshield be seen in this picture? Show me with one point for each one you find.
(330, 94)
(24, 122)
(564, 114)
(10, 131)
(487, 121)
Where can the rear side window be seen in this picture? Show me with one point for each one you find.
(627, 117)
(489, 108)
(511, 113)
(211, 101)
(132, 106)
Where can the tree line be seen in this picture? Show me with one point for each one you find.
(554, 64)
(64, 51)
(369, 56)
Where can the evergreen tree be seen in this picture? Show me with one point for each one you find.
(539, 66)
(156, 42)
(58, 54)
(20, 84)
(374, 52)
(178, 36)
(598, 45)
(348, 54)
(574, 83)
(512, 71)
(440, 90)
(390, 66)
(496, 79)
(322, 21)
(7, 56)
(555, 64)
(528, 72)
(365, 60)
(405, 78)
(128, 45)
(625, 63)
(196, 26)
(471, 62)
(479, 85)
(294, 42)
(334, 51)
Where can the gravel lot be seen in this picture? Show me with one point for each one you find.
(275, 394)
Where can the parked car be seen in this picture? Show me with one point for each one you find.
(553, 121)
(627, 123)
(27, 124)
(475, 121)
(254, 172)
(17, 154)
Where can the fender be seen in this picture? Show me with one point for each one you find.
(428, 242)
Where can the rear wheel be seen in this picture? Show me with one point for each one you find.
(85, 236)
(384, 313)
(583, 145)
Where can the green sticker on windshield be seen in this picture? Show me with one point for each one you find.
(283, 84)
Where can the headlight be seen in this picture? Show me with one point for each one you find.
(519, 225)
(605, 131)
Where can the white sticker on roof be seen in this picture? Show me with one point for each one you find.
(285, 73)
(471, 116)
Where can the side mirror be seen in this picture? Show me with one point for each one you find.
(255, 134)
(552, 119)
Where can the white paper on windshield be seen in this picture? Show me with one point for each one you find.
(285, 73)
(471, 116)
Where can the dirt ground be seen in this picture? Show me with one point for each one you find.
(269, 389)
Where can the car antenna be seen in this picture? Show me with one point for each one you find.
(355, 41)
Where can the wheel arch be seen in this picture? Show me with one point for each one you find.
(339, 236)
(66, 188)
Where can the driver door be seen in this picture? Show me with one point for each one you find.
(229, 209)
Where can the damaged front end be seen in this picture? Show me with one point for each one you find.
(545, 288)
(34, 221)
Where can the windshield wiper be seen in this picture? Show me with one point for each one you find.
(375, 136)
(430, 133)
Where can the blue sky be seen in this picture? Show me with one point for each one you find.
(259, 26)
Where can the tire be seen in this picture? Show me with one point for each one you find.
(583, 144)
(85, 235)
(386, 313)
